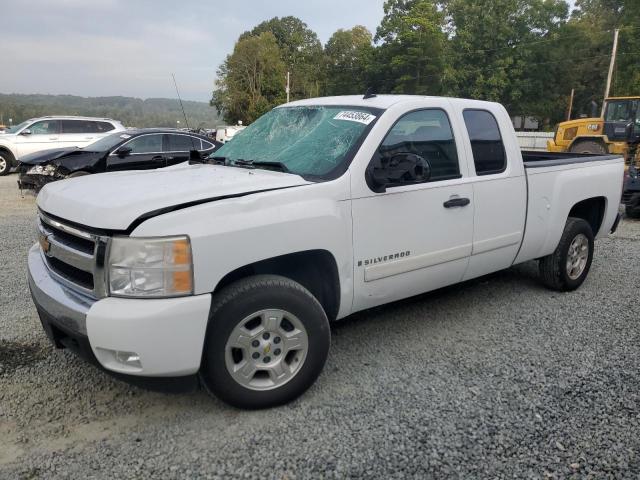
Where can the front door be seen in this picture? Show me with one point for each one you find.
(43, 135)
(414, 237)
(147, 152)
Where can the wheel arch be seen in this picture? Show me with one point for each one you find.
(316, 270)
(5, 148)
(592, 210)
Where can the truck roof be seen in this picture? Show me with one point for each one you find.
(379, 101)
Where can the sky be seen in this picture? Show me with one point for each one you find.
(131, 47)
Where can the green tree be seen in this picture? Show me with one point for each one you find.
(494, 48)
(300, 51)
(250, 81)
(598, 19)
(411, 57)
(348, 56)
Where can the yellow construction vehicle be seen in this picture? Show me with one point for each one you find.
(618, 132)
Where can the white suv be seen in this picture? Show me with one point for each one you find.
(46, 133)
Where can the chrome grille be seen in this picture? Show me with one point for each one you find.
(74, 255)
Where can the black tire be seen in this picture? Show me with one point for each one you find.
(632, 208)
(588, 146)
(244, 298)
(7, 162)
(632, 212)
(553, 268)
(80, 173)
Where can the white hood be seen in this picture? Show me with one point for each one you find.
(112, 201)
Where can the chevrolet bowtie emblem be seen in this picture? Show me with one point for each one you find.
(267, 348)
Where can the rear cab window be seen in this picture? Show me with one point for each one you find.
(487, 147)
(85, 126)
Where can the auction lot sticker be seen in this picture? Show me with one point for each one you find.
(360, 117)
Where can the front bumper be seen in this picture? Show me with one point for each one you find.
(35, 182)
(166, 334)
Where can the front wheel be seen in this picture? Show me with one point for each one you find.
(567, 267)
(267, 341)
(6, 162)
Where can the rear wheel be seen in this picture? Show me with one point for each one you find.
(267, 342)
(632, 208)
(6, 162)
(588, 146)
(632, 212)
(568, 266)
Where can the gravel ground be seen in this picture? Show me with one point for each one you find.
(496, 378)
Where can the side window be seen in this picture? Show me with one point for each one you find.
(183, 143)
(486, 142)
(428, 134)
(207, 145)
(45, 127)
(102, 127)
(146, 144)
(76, 126)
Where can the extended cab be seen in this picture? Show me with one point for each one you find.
(227, 272)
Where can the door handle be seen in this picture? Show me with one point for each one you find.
(157, 158)
(456, 202)
(53, 138)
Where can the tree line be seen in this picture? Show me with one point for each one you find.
(132, 112)
(526, 54)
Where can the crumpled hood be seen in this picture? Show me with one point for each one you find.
(47, 155)
(113, 201)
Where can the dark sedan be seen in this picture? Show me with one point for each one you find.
(131, 150)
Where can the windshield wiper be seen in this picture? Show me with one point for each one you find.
(278, 166)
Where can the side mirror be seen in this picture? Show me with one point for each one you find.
(400, 169)
(26, 131)
(123, 151)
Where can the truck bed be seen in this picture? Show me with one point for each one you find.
(536, 159)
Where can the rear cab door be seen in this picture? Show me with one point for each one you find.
(77, 133)
(499, 184)
(413, 237)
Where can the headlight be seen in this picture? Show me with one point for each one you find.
(40, 170)
(150, 267)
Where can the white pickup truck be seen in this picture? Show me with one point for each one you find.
(227, 272)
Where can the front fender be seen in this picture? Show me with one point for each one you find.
(229, 234)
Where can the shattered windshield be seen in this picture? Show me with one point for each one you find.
(308, 140)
